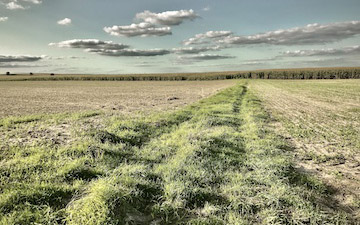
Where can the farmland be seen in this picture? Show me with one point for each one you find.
(39, 97)
(302, 73)
(322, 120)
(190, 152)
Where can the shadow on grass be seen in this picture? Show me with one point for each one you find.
(54, 196)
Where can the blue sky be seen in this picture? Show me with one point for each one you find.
(93, 36)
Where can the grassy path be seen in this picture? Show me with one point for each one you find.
(215, 162)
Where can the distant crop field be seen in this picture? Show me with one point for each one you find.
(38, 97)
(233, 152)
(301, 73)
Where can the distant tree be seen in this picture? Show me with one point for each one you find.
(7, 73)
(52, 74)
(31, 74)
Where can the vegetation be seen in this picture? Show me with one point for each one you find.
(322, 119)
(217, 161)
(309, 73)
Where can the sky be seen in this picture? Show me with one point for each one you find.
(162, 36)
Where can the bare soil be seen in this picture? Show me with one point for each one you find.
(20, 98)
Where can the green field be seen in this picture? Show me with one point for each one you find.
(258, 152)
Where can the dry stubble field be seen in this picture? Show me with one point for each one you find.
(38, 97)
(322, 121)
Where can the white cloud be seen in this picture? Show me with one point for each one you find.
(196, 50)
(63, 57)
(168, 18)
(14, 6)
(152, 24)
(108, 48)
(65, 21)
(207, 37)
(89, 44)
(307, 35)
(20, 58)
(3, 19)
(19, 65)
(33, 1)
(328, 62)
(19, 4)
(324, 52)
(202, 57)
(206, 9)
(130, 52)
(141, 29)
(191, 59)
(252, 63)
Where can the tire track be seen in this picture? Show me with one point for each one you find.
(222, 165)
(154, 142)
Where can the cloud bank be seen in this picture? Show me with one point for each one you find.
(19, 58)
(196, 50)
(207, 37)
(203, 57)
(168, 18)
(159, 24)
(324, 52)
(19, 61)
(152, 24)
(90, 44)
(130, 52)
(307, 35)
(108, 48)
(141, 29)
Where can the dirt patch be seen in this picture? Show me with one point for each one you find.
(37, 133)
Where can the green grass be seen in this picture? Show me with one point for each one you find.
(217, 161)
